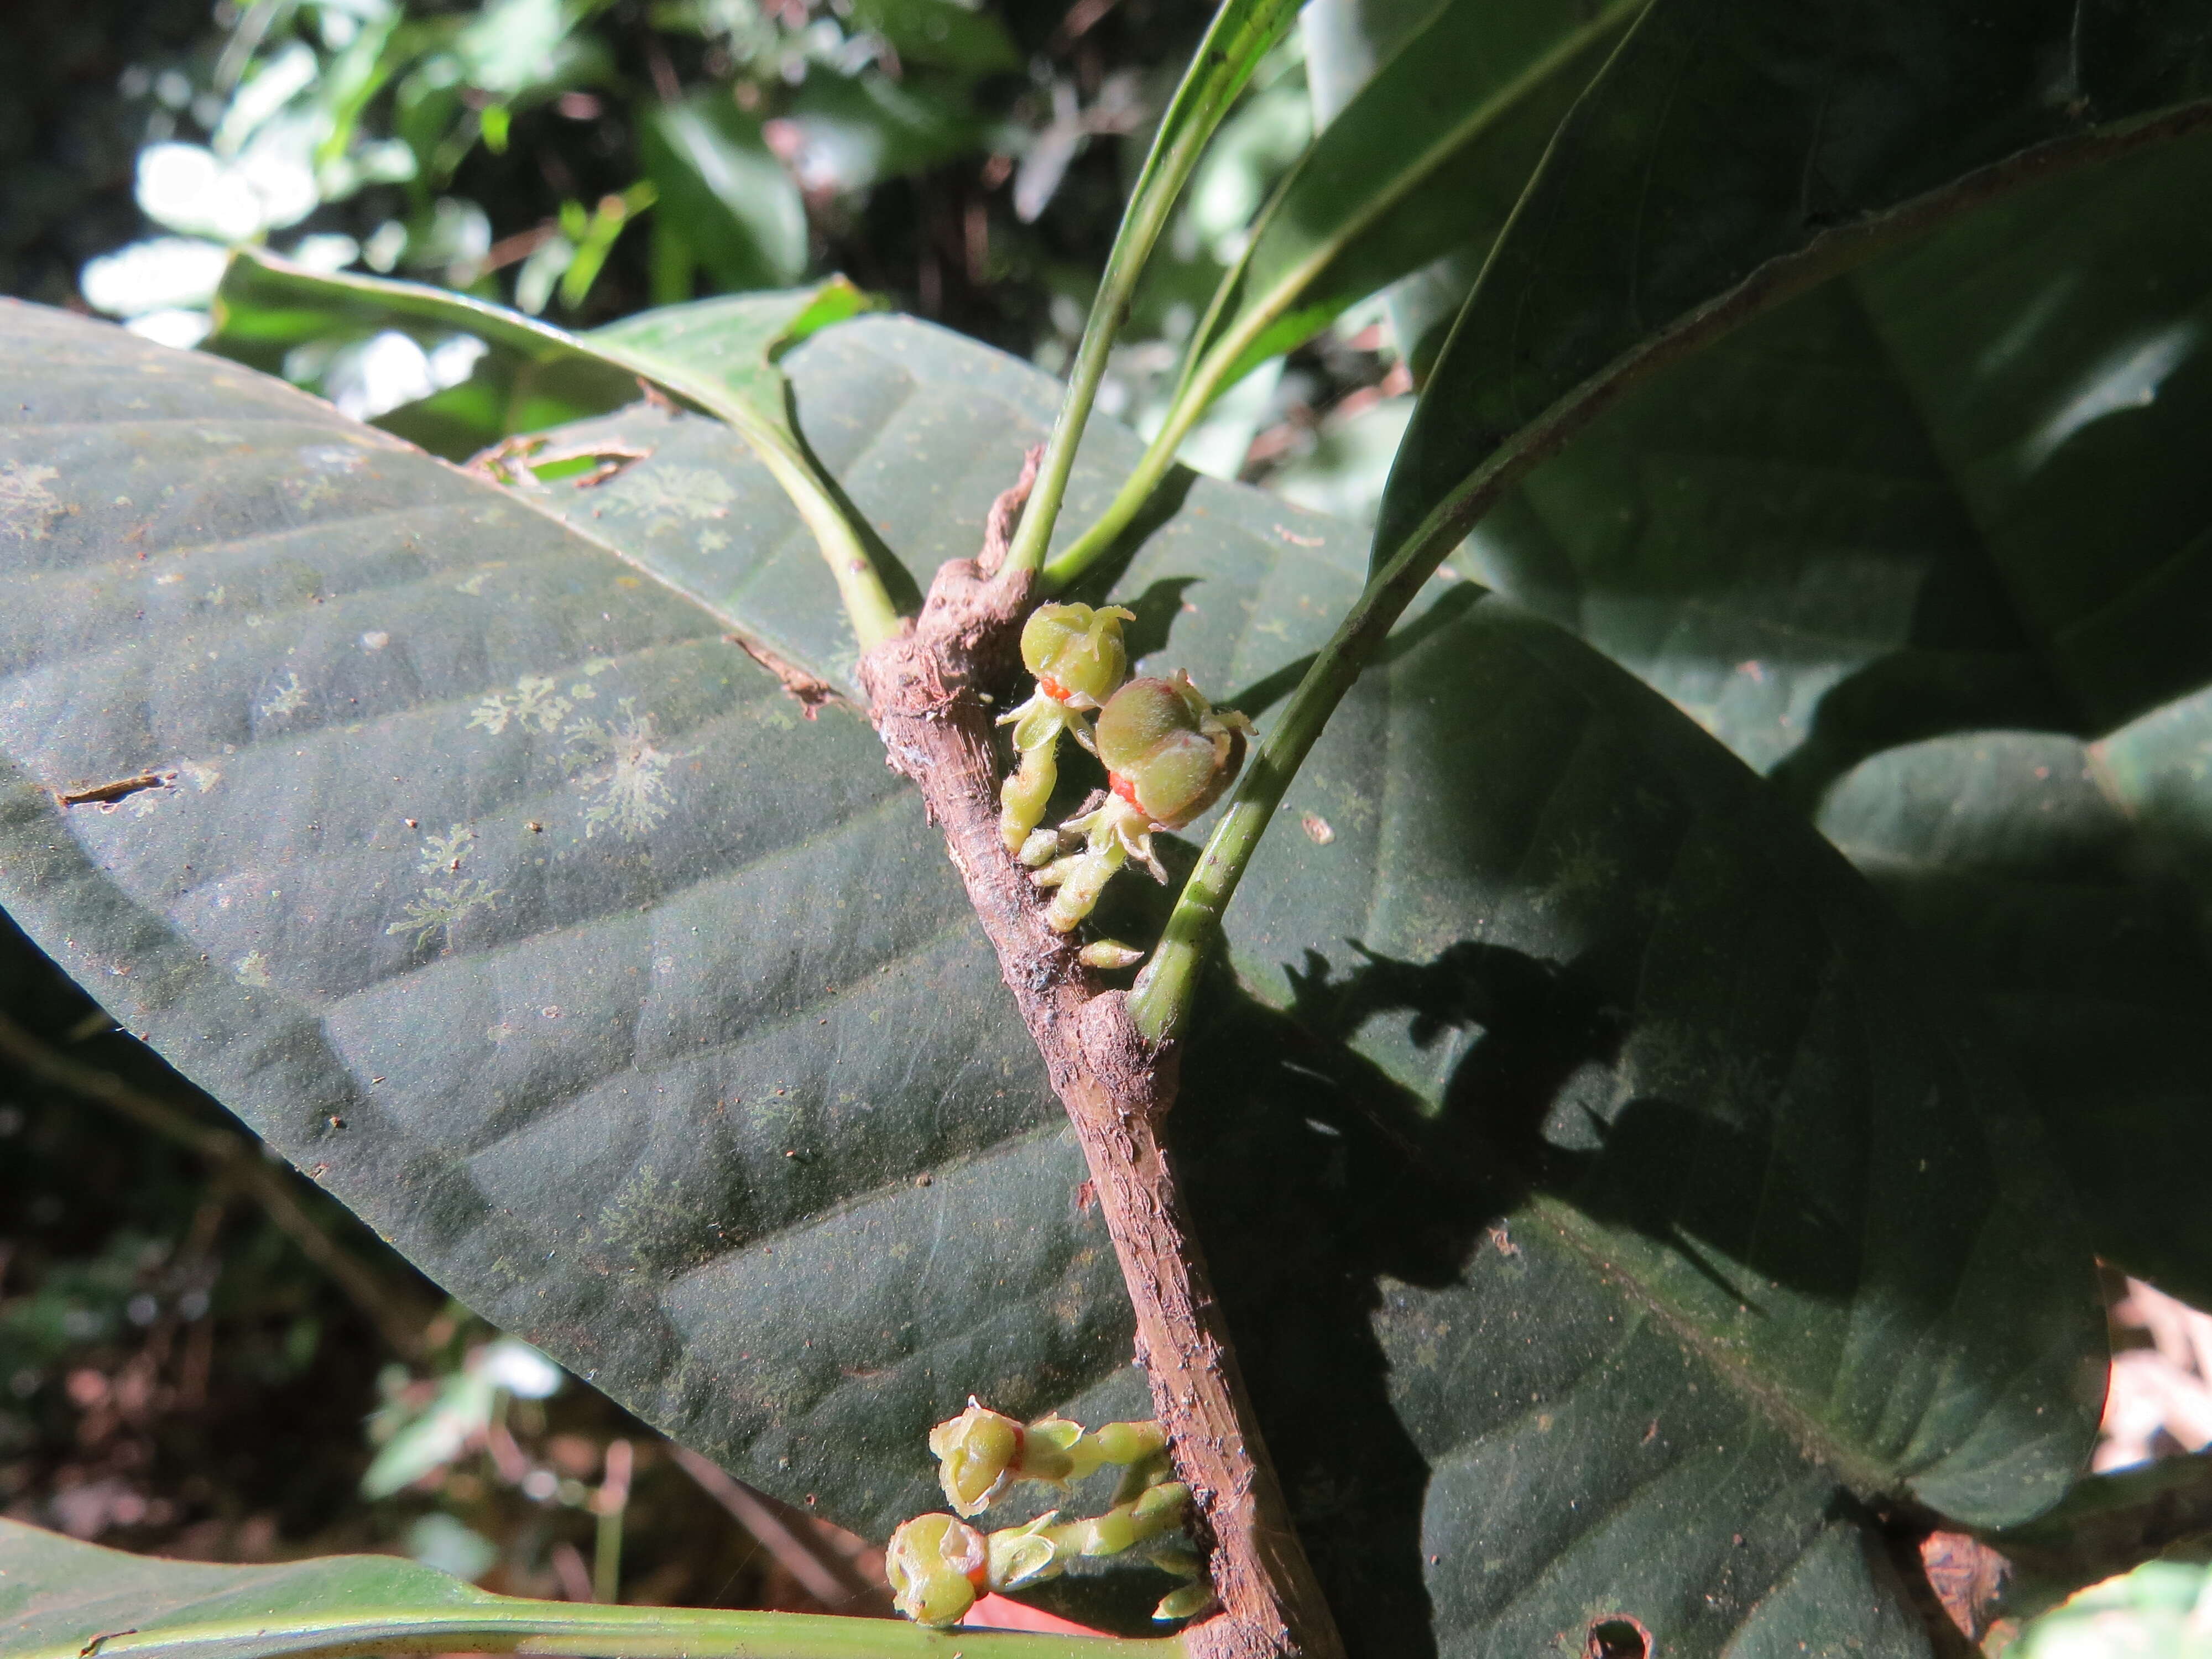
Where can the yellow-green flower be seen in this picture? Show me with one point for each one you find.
(936, 1565)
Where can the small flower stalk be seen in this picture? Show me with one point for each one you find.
(1077, 656)
(939, 1564)
(981, 1453)
(1168, 755)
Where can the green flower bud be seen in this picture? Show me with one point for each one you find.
(1078, 879)
(1173, 1558)
(1129, 1443)
(1169, 753)
(1023, 795)
(1110, 954)
(936, 1565)
(1041, 848)
(976, 1452)
(1188, 1602)
(1076, 653)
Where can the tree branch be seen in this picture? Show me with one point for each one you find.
(926, 692)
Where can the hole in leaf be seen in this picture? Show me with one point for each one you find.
(1617, 1636)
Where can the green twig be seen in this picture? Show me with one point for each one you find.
(1241, 31)
(1162, 995)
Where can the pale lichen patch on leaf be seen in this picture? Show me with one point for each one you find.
(441, 903)
(444, 853)
(28, 507)
(631, 793)
(534, 702)
(667, 496)
(284, 701)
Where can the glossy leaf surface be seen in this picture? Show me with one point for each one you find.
(1599, 1166)
(1731, 149)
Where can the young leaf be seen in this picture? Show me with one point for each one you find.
(1431, 155)
(1732, 153)
(1596, 1229)
(532, 374)
(64, 1600)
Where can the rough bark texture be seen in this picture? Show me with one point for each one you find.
(927, 693)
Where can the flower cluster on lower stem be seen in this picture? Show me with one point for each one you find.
(939, 1564)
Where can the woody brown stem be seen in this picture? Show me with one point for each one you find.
(927, 688)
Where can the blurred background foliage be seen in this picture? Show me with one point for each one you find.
(582, 160)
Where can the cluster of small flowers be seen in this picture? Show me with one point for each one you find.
(1168, 755)
(939, 1564)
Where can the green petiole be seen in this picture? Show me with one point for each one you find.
(1161, 998)
(1241, 32)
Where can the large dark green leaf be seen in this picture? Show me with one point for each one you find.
(60, 1599)
(1943, 523)
(1733, 150)
(2055, 348)
(1589, 1178)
